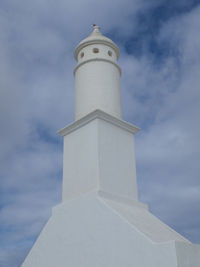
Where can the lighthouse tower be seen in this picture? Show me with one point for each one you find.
(101, 222)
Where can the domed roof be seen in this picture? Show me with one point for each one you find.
(96, 37)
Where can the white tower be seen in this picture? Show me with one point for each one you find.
(97, 76)
(100, 221)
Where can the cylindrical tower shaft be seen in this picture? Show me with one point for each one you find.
(97, 76)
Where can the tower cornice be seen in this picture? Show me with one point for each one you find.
(98, 114)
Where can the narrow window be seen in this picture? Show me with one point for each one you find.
(82, 55)
(110, 53)
(95, 50)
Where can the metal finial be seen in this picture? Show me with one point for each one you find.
(96, 28)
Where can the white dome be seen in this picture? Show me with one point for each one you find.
(96, 37)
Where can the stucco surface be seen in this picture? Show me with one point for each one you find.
(146, 222)
(100, 222)
(97, 76)
(99, 155)
(86, 231)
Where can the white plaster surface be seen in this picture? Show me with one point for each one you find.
(97, 86)
(80, 161)
(99, 155)
(187, 255)
(87, 231)
(97, 77)
(100, 222)
(117, 170)
(146, 222)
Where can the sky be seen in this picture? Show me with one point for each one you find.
(159, 42)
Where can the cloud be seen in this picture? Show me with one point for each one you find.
(168, 148)
(160, 94)
(37, 43)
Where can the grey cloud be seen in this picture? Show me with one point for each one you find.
(36, 51)
(168, 150)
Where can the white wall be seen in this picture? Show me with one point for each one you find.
(100, 156)
(97, 82)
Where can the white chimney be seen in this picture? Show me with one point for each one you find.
(97, 76)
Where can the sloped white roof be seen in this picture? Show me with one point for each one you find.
(93, 231)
